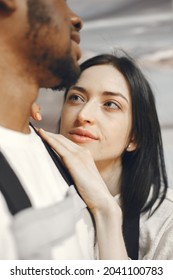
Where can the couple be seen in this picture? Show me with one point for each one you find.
(41, 216)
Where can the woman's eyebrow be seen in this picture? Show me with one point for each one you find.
(78, 88)
(105, 93)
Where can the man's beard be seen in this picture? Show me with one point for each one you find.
(63, 68)
(66, 71)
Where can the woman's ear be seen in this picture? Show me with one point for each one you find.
(131, 146)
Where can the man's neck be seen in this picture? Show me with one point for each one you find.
(16, 99)
(18, 89)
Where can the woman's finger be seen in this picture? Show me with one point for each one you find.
(59, 143)
(35, 112)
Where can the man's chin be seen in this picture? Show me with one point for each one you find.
(65, 70)
(68, 81)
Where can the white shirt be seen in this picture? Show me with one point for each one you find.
(43, 184)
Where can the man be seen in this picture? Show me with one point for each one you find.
(40, 216)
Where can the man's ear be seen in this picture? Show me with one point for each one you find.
(131, 146)
(7, 5)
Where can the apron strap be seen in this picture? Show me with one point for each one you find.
(11, 188)
(62, 169)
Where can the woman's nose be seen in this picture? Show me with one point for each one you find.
(87, 114)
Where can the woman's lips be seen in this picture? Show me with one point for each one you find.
(82, 136)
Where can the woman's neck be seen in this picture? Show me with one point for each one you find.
(111, 174)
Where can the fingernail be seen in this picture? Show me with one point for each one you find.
(38, 116)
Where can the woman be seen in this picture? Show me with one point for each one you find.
(111, 144)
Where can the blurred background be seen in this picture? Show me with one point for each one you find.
(143, 28)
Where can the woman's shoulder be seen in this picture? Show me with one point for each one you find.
(169, 195)
(165, 210)
(156, 231)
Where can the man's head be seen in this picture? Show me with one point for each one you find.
(45, 37)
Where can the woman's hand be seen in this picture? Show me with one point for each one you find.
(83, 170)
(106, 212)
(36, 112)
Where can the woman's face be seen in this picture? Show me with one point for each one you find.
(97, 113)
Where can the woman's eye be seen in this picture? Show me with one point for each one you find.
(112, 105)
(75, 98)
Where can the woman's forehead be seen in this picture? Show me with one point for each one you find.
(105, 78)
(106, 72)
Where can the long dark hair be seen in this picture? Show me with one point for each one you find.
(144, 178)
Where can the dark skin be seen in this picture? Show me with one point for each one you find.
(32, 53)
